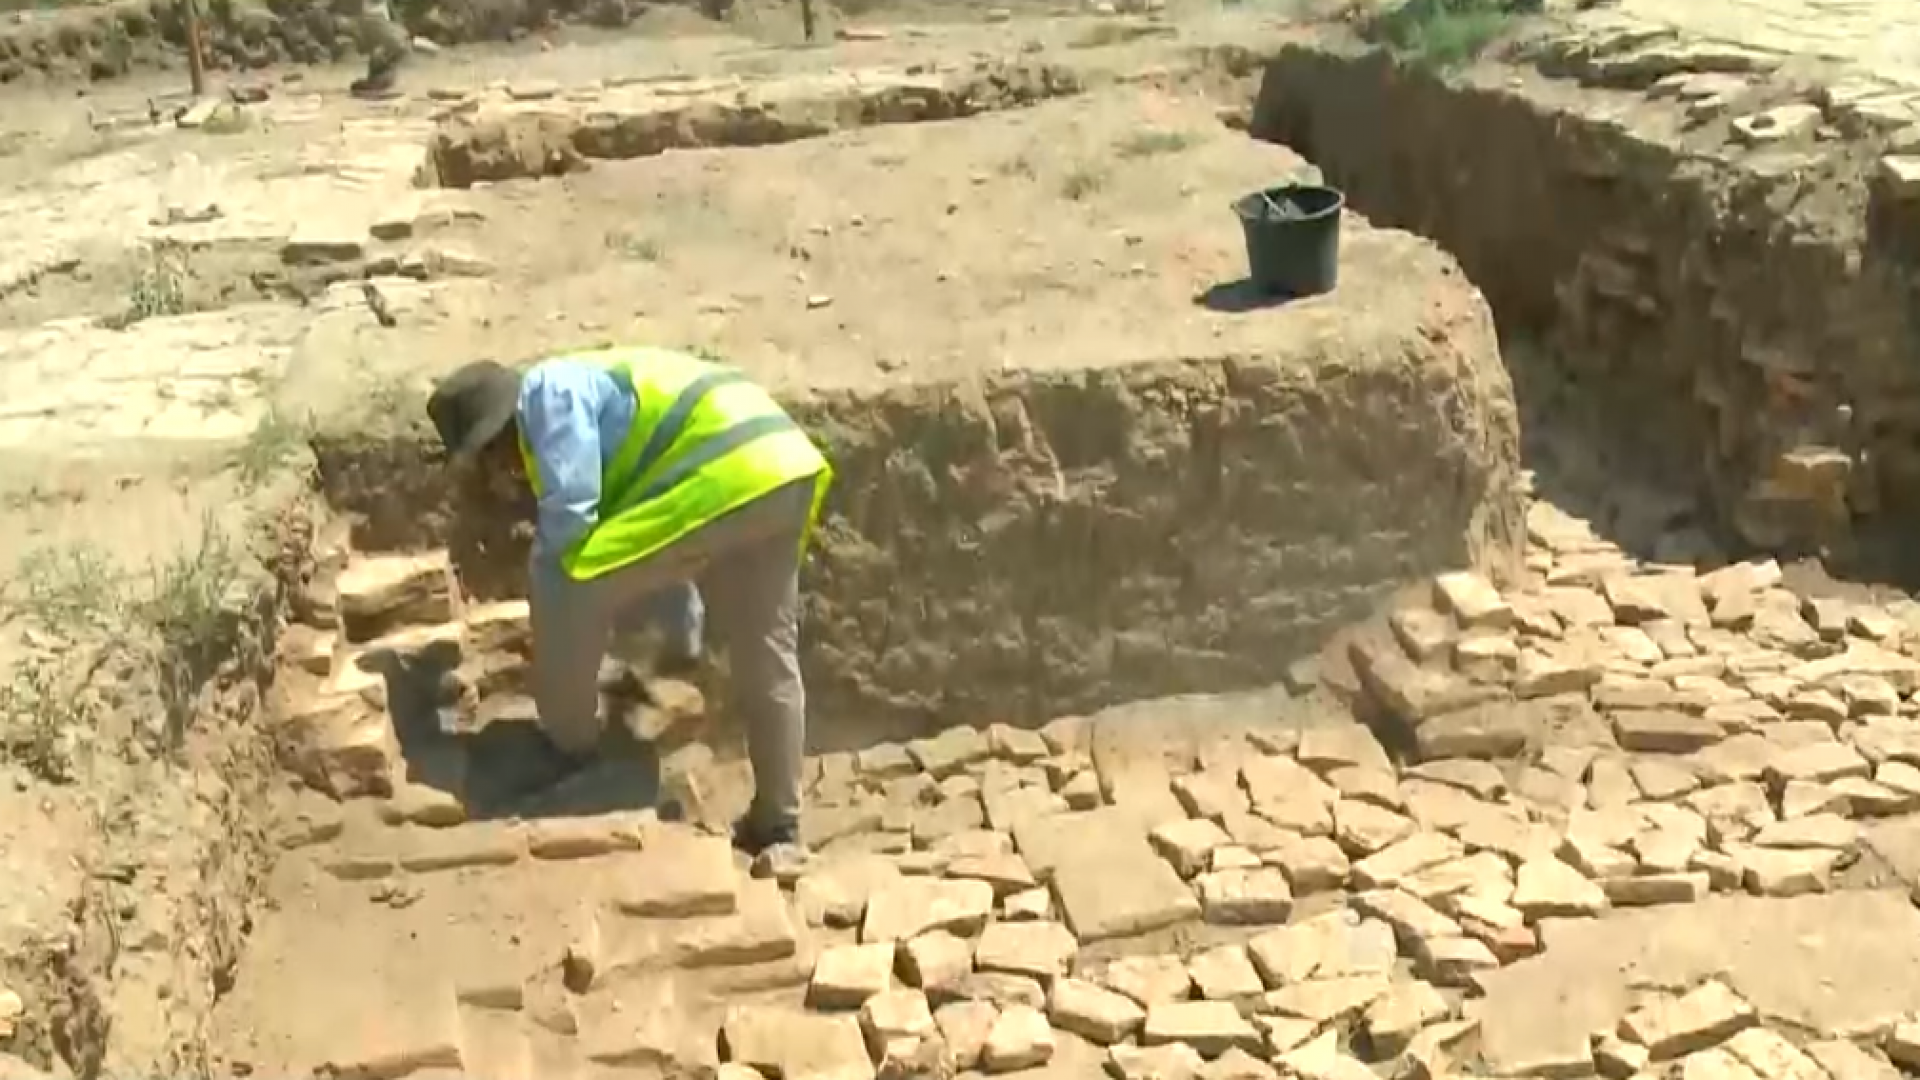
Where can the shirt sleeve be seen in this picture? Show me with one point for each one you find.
(561, 422)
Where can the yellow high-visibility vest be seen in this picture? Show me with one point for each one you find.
(705, 441)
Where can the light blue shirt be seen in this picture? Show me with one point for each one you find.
(574, 416)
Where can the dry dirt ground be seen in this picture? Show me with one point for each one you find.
(1220, 887)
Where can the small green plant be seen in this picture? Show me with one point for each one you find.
(45, 707)
(1082, 182)
(187, 613)
(1152, 142)
(43, 717)
(69, 588)
(158, 287)
(633, 246)
(268, 447)
(173, 627)
(1443, 34)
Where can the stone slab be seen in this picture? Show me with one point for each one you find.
(1115, 886)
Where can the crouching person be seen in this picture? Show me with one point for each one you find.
(664, 484)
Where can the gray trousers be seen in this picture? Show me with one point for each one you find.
(747, 568)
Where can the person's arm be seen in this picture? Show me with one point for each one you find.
(560, 417)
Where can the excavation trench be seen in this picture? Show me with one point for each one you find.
(1731, 315)
(1039, 544)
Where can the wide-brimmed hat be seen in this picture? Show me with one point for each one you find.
(472, 406)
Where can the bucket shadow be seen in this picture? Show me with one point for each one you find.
(1241, 296)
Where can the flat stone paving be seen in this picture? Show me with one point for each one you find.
(1878, 37)
(1656, 843)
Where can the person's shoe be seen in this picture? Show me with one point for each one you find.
(373, 85)
(753, 837)
(783, 863)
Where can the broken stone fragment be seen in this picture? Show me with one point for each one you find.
(1172, 1061)
(1408, 692)
(1209, 1027)
(1187, 844)
(935, 959)
(1783, 872)
(1041, 950)
(1224, 973)
(1019, 1039)
(965, 1026)
(1545, 887)
(1327, 747)
(950, 751)
(781, 1042)
(1027, 905)
(1245, 897)
(1327, 1000)
(1708, 1014)
(913, 906)
(997, 988)
(1455, 961)
(845, 976)
(1664, 732)
(1396, 1016)
(1472, 600)
(342, 745)
(1100, 1016)
(893, 1015)
(1362, 828)
(1844, 1060)
(1394, 864)
(1772, 1056)
(1147, 980)
(379, 594)
(1426, 634)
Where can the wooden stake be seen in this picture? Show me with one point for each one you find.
(196, 57)
(806, 18)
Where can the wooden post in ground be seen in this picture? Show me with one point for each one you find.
(806, 18)
(196, 45)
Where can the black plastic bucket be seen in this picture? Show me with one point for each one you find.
(1293, 238)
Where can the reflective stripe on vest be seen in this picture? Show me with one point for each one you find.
(655, 490)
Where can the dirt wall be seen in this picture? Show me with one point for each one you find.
(1726, 312)
(1043, 544)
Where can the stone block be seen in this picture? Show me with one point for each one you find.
(781, 1042)
(1704, 1016)
(1210, 1027)
(341, 744)
(1472, 600)
(1245, 896)
(1019, 1039)
(1041, 950)
(845, 976)
(1100, 1016)
(680, 874)
(965, 1026)
(894, 1015)
(1115, 886)
(1147, 980)
(382, 593)
(913, 906)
